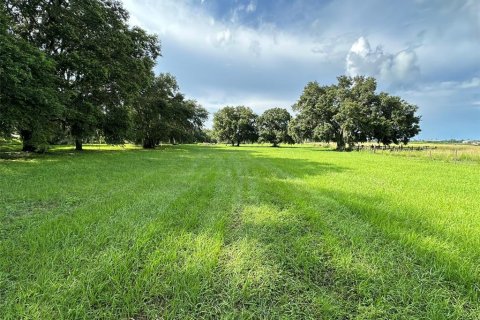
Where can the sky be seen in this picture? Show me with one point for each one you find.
(262, 53)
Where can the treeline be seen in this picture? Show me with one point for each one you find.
(347, 113)
(74, 70)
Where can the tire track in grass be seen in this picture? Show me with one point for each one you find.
(222, 216)
(284, 231)
(222, 203)
(253, 283)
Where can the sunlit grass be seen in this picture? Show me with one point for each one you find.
(250, 232)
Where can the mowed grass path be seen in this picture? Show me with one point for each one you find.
(250, 232)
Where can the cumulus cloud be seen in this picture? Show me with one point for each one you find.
(399, 69)
(363, 60)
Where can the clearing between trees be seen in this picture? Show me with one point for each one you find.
(249, 232)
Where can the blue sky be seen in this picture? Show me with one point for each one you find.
(262, 53)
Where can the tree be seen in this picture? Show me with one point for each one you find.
(197, 116)
(209, 136)
(273, 126)
(161, 113)
(102, 63)
(235, 125)
(395, 120)
(316, 109)
(225, 124)
(186, 121)
(356, 99)
(151, 110)
(351, 112)
(29, 101)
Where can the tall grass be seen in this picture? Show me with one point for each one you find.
(443, 152)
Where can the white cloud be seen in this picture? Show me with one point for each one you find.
(362, 60)
(401, 68)
(398, 69)
(448, 87)
(472, 83)
(251, 7)
(197, 30)
(223, 37)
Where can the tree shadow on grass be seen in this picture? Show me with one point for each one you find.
(13, 151)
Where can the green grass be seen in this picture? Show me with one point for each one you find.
(251, 232)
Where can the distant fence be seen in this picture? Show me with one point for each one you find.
(392, 148)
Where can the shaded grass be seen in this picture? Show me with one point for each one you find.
(250, 232)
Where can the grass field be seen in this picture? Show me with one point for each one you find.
(193, 232)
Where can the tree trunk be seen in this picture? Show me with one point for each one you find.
(340, 143)
(233, 143)
(148, 144)
(78, 144)
(238, 143)
(26, 136)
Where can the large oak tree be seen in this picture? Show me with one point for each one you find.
(273, 126)
(351, 112)
(235, 125)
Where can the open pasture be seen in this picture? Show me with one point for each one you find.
(249, 232)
